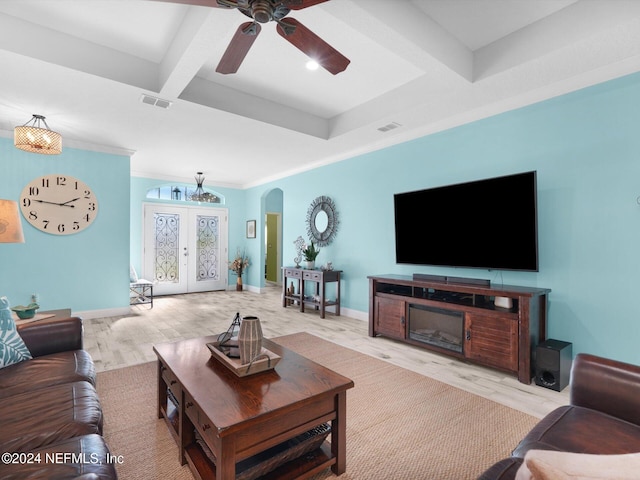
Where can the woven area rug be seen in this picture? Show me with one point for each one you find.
(400, 425)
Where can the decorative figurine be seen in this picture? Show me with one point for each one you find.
(300, 246)
(228, 341)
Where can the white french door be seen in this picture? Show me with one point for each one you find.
(185, 248)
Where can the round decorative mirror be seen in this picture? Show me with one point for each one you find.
(322, 221)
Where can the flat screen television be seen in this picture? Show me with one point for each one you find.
(489, 224)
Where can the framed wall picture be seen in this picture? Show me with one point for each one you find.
(251, 229)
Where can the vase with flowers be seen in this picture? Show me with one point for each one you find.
(238, 266)
(310, 253)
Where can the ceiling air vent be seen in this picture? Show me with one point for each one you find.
(390, 126)
(158, 102)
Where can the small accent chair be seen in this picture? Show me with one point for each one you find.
(140, 290)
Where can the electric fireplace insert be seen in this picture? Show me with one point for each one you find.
(437, 327)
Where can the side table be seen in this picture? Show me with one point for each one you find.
(318, 277)
(44, 315)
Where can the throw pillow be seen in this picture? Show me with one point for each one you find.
(551, 465)
(6, 318)
(12, 347)
(133, 275)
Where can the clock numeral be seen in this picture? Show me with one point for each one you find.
(87, 194)
(61, 180)
(61, 228)
(76, 226)
(34, 191)
(26, 202)
(33, 215)
(45, 183)
(45, 223)
(87, 217)
(92, 206)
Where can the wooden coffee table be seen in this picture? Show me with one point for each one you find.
(240, 417)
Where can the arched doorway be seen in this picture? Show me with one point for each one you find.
(273, 208)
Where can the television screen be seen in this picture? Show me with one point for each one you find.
(489, 224)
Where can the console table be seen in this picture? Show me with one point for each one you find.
(318, 277)
(468, 322)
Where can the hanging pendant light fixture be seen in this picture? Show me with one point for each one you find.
(199, 195)
(32, 137)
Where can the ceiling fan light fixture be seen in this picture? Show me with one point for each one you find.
(36, 137)
(312, 65)
(262, 11)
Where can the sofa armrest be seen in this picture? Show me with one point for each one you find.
(52, 336)
(606, 385)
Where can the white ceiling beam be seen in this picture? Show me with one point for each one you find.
(227, 99)
(201, 29)
(412, 35)
(574, 24)
(408, 32)
(47, 45)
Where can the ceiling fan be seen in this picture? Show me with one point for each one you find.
(264, 11)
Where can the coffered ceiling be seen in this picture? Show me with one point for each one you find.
(418, 66)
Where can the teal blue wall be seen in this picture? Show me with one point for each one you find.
(585, 147)
(273, 201)
(85, 271)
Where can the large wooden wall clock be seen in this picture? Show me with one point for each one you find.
(58, 204)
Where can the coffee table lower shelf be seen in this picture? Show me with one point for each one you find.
(303, 467)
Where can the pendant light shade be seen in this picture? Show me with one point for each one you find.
(36, 137)
(10, 226)
(199, 194)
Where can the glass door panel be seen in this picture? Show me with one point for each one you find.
(185, 248)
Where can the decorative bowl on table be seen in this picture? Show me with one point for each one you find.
(26, 312)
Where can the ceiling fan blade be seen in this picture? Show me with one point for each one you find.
(238, 48)
(201, 3)
(300, 4)
(314, 47)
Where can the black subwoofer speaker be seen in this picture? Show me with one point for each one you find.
(553, 364)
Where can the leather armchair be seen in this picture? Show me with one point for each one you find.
(603, 416)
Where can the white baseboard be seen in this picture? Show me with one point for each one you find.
(107, 312)
(114, 312)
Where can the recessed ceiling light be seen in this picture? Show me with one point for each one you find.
(312, 65)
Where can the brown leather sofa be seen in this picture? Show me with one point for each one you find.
(603, 416)
(50, 414)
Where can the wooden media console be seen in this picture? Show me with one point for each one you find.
(462, 320)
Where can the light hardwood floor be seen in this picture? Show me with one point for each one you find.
(116, 342)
